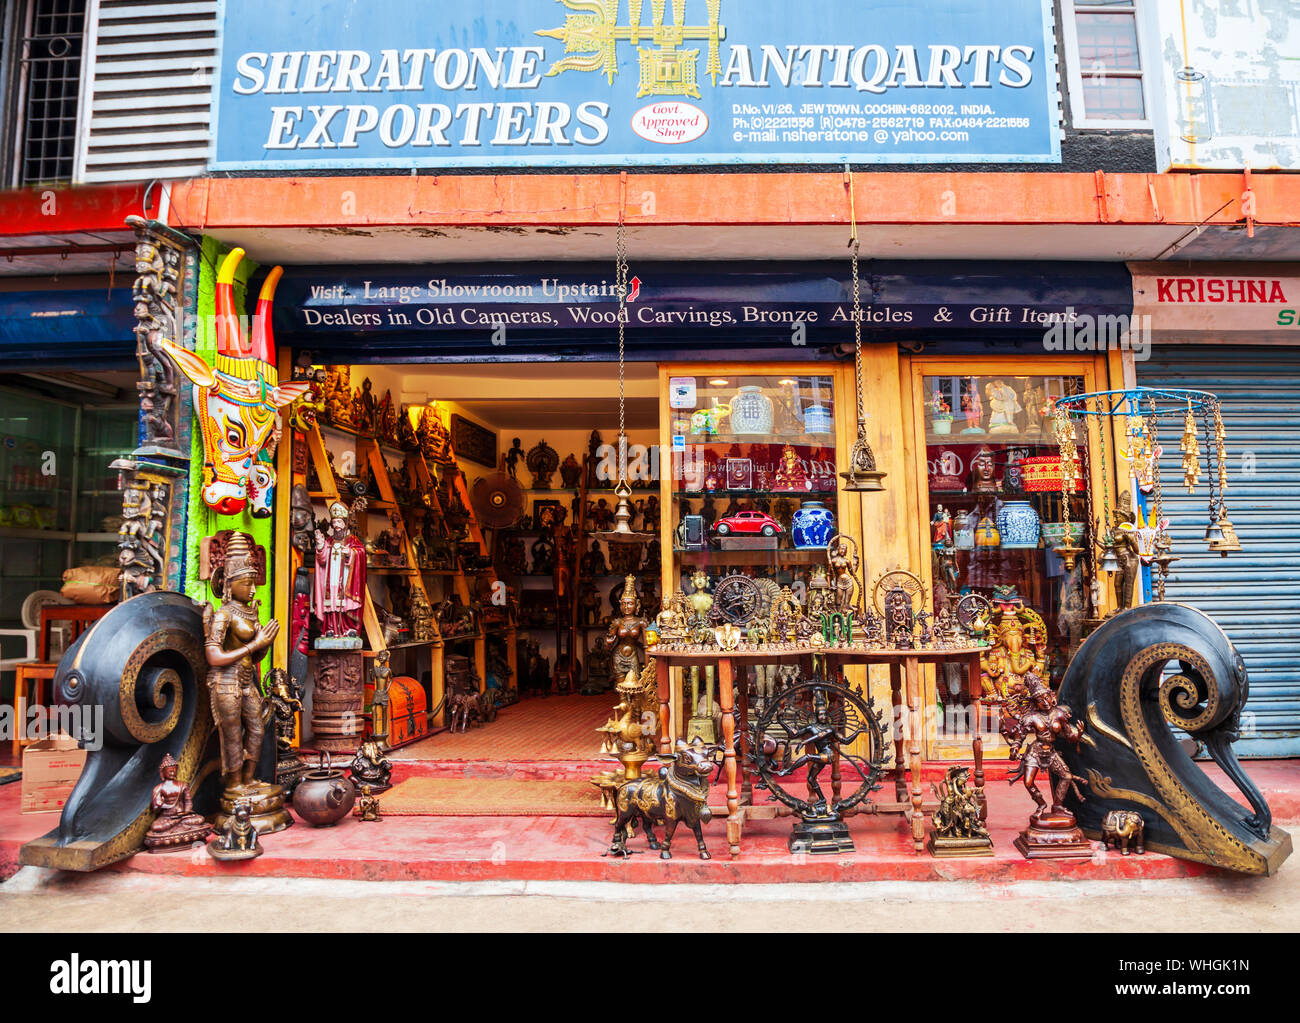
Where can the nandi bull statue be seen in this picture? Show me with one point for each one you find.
(1122, 683)
(677, 795)
(238, 400)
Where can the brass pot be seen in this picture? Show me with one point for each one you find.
(324, 796)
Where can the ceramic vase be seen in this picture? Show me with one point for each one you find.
(751, 411)
(817, 420)
(813, 525)
(941, 427)
(1018, 524)
(963, 537)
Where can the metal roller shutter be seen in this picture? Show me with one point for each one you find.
(1252, 595)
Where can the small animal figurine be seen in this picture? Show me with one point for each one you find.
(677, 794)
(238, 839)
(1123, 827)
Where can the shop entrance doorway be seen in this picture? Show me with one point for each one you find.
(484, 583)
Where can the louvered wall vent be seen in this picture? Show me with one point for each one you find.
(148, 91)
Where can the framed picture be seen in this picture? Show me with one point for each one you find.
(544, 514)
(740, 474)
(477, 443)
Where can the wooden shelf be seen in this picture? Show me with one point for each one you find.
(691, 495)
(811, 440)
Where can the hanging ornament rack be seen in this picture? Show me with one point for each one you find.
(862, 474)
(622, 531)
(1142, 409)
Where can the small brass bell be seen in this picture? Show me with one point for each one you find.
(1226, 542)
(1214, 534)
(1109, 560)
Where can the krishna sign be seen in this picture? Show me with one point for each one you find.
(399, 83)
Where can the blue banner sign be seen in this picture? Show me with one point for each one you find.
(707, 302)
(406, 83)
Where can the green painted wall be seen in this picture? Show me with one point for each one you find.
(203, 521)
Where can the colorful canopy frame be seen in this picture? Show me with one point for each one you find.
(237, 401)
(1142, 409)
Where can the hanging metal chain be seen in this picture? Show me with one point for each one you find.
(620, 285)
(1090, 529)
(1213, 468)
(857, 330)
(1162, 543)
(1068, 452)
(1219, 437)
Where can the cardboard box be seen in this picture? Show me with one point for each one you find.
(51, 768)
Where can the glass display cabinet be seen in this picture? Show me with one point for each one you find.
(750, 484)
(992, 511)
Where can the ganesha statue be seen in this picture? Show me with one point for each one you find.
(238, 400)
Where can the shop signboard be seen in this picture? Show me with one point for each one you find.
(404, 83)
(718, 301)
(1242, 302)
(1230, 81)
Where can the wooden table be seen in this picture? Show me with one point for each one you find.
(82, 616)
(905, 689)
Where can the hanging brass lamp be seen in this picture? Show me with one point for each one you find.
(862, 474)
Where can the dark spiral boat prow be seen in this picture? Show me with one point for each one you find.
(1117, 684)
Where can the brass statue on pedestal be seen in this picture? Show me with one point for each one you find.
(177, 826)
(235, 643)
(958, 828)
(632, 732)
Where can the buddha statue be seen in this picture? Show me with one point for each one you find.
(176, 825)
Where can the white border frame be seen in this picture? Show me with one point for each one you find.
(1074, 75)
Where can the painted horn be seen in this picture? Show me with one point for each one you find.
(263, 334)
(229, 339)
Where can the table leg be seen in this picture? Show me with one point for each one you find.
(20, 711)
(913, 669)
(663, 678)
(726, 699)
(896, 726)
(742, 747)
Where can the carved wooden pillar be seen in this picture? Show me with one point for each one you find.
(153, 478)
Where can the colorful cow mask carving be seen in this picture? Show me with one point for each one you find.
(237, 401)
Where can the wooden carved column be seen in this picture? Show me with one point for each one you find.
(153, 478)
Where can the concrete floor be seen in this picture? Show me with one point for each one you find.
(40, 900)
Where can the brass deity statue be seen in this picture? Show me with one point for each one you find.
(626, 636)
(1018, 650)
(236, 641)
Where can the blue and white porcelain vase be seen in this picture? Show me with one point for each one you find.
(813, 526)
(1018, 523)
(751, 411)
(817, 419)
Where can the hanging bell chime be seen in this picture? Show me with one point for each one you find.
(1214, 534)
(1191, 450)
(1226, 541)
(1109, 559)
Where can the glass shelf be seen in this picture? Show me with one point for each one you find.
(754, 452)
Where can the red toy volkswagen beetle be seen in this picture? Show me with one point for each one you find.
(747, 523)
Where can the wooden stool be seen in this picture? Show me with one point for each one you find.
(34, 674)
